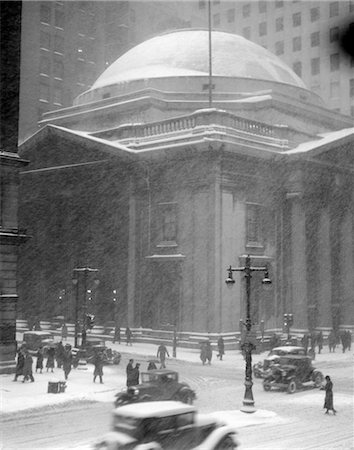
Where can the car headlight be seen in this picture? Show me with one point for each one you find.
(136, 391)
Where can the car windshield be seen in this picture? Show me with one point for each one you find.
(127, 425)
(148, 377)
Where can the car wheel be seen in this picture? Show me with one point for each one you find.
(318, 379)
(291, 387)
(226, 444)
(187, 398)
(266, 386)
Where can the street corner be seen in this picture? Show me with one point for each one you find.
(237, 418)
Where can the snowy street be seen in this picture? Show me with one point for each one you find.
(78, 417)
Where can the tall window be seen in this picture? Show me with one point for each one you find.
(58, 69)
(262, 6)
(58, 95)
(230, 15)
(253, 225)
(44, 65)
(314, 14)
(333, 9)
(263, 28)
(59, 18)
(246, 10)
(333, 34)
(315, 66)
(334, 62)
(279, 24)
(315, 39)
(45, 40)
(58, 43)
(201, 4)
(45, 12)
(279, 3)
(296, 19)
(279, 48)
(168, 222)
(297, 43)
(44, 93)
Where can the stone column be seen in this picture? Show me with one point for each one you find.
(324, 269)
(131, 268)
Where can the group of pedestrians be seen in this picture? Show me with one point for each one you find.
(206, 351)
(133, 373)
(117, 335)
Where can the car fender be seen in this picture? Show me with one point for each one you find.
(149, 446)
(186, 389)
(214, 438)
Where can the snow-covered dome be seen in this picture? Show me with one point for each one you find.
(185, 53)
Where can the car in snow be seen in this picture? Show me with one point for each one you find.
(262, 368)
(157, 384)
(166, 425)
(292, 372)
(35, 339)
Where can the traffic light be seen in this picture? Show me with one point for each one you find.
(90, 321)
(288, 320)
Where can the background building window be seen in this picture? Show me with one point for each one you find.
(297, 43)
(58, 69)
(314, 14)
(168, 221)
(58, 43)
(216, 19)
(81, 71)
(296, 19)
(351, 87)
(246, 10)
(262, 6)
(279, 24)
(253, 225)
(333, 34)
(246, 32)
(230, 15)
(315, 66)
(44, 65)
(45, 13)
(333, 9)
(59, 18)
(58, 95)
(279, 48)
(297, 68)
(201, 4)
(315, 39)
(279, 3)
(45, 40)
(263, 28)
(44, 92)
(334, 62)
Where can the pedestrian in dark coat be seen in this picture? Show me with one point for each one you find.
(221, 347)
(20, 363)
(332, 341)
(320, 341)
(116, 336)
(129, 371)
(135, 374)
(40, 357)
(203, 352)
(209, 352)
(50, 359)
(59, 354)
(67, 360)
(128, 335)
(349, 339)
(64, 332)
(328, 403)
(98, 361)
(305, 342)
(161, 353)
(27, 368)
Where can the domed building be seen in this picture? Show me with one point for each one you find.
(165, 173)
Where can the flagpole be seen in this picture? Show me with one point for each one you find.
(210, 57)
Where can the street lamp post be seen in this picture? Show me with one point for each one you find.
(85, 271)
(248, 346)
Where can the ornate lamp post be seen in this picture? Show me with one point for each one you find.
(248, 346)
(85, 271)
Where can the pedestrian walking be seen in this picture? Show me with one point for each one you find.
(209, 352)
(129, 371)
(128, 336)
(50, 359)
(349, 339)
(27, 368)
(20, 363)
(64, 332)
(203, 352)
(332, 341)
(320, 342)
(221, 348)
(305, 342)
(67, 360)
(40, 357)
(59, 353)
(116, 336)
(98, 361)
(328, 403)
(161, 353)
(136, 374)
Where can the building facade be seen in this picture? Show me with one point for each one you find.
(161, 191)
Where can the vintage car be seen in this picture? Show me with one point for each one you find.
(158, 384)
(166, 425)
(292, 372)
(262, 368)
(35, 339)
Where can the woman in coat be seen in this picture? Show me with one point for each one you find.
(328, 404)
(50, 359)
(98, 361)
(40, 357)
(67, 360)
(221, 347)
(20, 363)
(27, 368)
